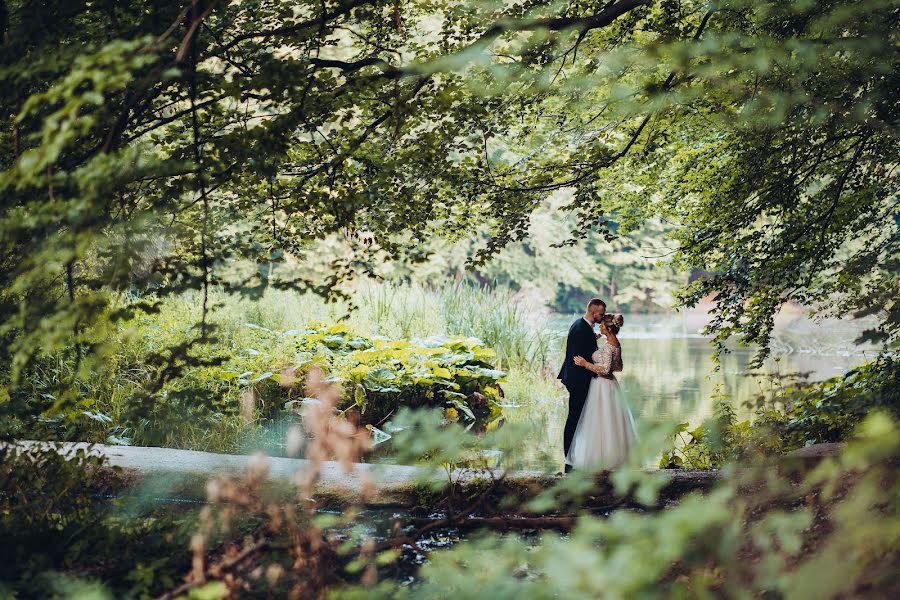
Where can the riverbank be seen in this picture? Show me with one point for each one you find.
(382, 484)
(155, 504)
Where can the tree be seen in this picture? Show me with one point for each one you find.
(765, 133)
(155, 147)
(151, 148)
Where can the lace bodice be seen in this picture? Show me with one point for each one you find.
(608, 358)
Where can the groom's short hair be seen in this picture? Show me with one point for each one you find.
(596, 302)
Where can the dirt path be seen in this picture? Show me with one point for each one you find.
(149, 461)
(333, 477)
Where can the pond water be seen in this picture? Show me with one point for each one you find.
(669, 374)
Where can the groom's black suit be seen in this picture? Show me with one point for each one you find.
(580, 342)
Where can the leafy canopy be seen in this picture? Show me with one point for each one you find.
(201, 144)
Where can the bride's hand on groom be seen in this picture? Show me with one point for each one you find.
(581, 362)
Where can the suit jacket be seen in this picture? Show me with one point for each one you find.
(580, 342)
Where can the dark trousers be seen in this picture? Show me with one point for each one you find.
(577, 396)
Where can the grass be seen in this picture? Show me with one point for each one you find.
(536, 401)
(213, 420)
(408, 311)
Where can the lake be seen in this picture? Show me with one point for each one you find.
(669, 374)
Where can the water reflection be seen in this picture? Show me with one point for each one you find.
(669, 374)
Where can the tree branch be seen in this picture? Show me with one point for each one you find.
(188, 40)
(593, 168)
(223, 566)
(605, 17)
(285, 30)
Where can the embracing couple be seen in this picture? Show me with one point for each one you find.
(599, 428)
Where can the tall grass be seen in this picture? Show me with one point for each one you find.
(212, 420)
(520, 340)
(410, 311)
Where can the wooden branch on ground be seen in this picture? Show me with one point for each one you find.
(216, 570)
(564, 522)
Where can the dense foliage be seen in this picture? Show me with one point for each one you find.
(795, 416)
(205, 145)
(381, 376)
(732, 542)
(626, 270)
(831, 410)
(827, 532)
(63, 526)
(153, 149)
(768, 140)
(249, 396)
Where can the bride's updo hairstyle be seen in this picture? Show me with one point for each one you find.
(614, 323)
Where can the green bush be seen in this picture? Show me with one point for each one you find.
(61, 519)
(157, 386)
(380, 376)
(797, 416)
(829, 411)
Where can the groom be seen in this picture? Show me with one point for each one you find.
(580, 342)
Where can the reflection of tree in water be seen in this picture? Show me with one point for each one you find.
(669, 376)
(674, 379)
(661, 377)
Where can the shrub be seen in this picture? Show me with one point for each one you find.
(829, 411)
(236, 391)
(380, 376)
(798, 416)
(57, 522)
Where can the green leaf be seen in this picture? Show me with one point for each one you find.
(211, 591)
(463, 407)
(259, 378)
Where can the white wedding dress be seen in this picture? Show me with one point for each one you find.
(605, 431)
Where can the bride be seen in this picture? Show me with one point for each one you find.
(605, 430)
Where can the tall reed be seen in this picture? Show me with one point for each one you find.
(209, 419)
(492, 315)
(495, 317)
